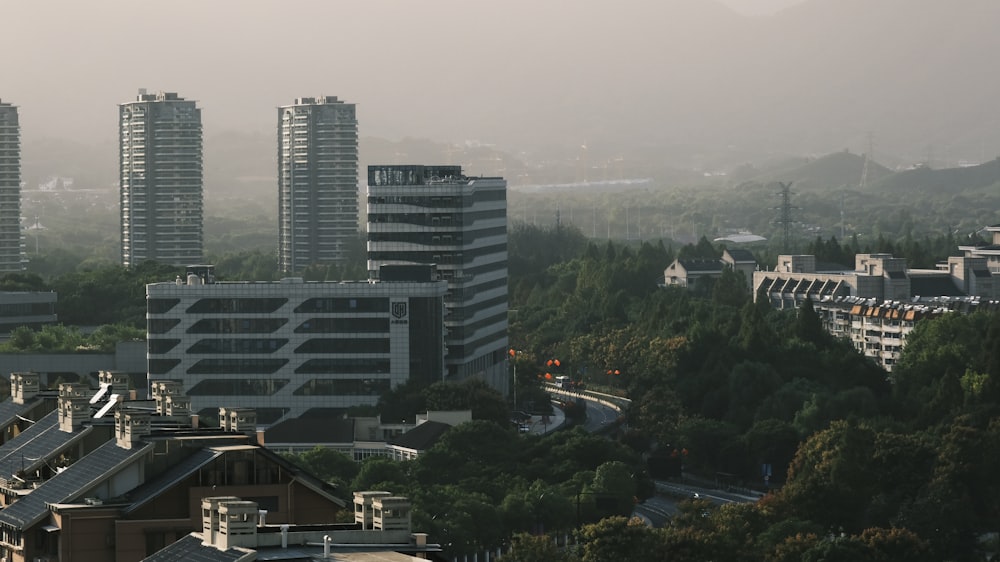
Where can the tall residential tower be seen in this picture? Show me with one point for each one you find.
(11, 246)
(437, 215)
(317, 182)
(160, 174)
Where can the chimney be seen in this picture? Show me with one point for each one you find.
(161, 389)
(243, 420)
(130, 426)
(237, 524)
(73, 405)
(117, 380)
(178, 407)
(23, 387)
(391, 513)
(210, 518)
(363, 507)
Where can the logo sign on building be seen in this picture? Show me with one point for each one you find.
(399, 312)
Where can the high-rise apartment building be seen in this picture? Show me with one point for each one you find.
(317, 182)
(160, 178)
(437, 215)
(11, 244)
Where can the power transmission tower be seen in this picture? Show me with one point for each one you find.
(784, 219)
(868, 158)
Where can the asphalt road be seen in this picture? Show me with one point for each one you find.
(599, 416)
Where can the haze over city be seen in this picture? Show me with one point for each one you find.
(688, 77)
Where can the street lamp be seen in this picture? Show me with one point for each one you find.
(513, 361)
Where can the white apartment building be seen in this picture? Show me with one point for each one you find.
(160, 176)
(284, 348)
(12, 257)
(877, 303)
(317, 182)
(437, 215)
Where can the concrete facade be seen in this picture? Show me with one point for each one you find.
(877, 304)
(160, 179)
(286, 347)
(317, 182)
(12, 256)
(436, 215)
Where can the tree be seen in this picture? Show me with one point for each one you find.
(615, 485)
(808, 325)
(620, 538)
(380, 473)
(536, 548)
(829, 480)
(329, 465)
(472, 394)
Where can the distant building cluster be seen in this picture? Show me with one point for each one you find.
(434, 306)
(877, 304)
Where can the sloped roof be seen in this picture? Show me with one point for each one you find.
(934, 286)
(178, 472)
(196, 461)
(422, 437)
(191, 549)
(71, 483)
(741, 255)
(701, 265)
(9, 409)
(37, 444)
(314, 429)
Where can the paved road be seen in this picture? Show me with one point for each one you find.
(599, 416)
(657, 510)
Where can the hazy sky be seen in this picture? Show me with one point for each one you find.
(817, 77)
(759, 7)
(67, 63)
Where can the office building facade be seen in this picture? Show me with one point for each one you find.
(160, 178)
(286, 347)
(437, 215)
(317, 182)
(12, 256)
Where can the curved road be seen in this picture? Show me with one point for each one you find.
(599, 416)
(658, 510)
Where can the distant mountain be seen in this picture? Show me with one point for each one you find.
(833, 170)
(926, 181)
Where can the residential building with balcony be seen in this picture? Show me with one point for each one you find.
(160, 180)
(317, 182)
(12, 256)
(877, 304)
